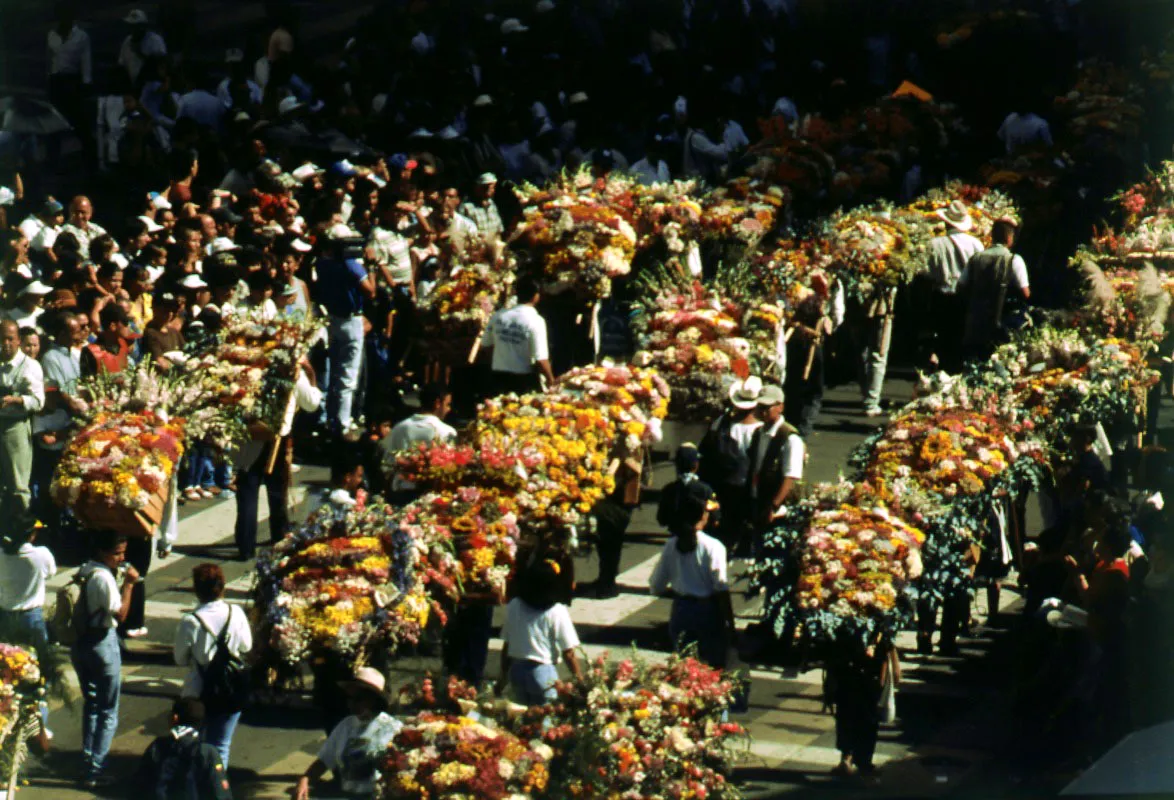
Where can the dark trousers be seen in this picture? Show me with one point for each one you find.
(955, 612)
(735, 522)
(857, 717)
(45, 463)
(516, 383)
(804, 397)
(138, 555)
(466, 642)
(248, 494)
(610, 545)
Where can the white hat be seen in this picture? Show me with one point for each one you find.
(482, 100)
(7, 196)
(36, 287)
(577, 97)
(301, 245)
(193, 281)
(513, 25)
(152, 225)
(234, 55)
(448, 133)
(155, 273)
(367, 678)
(487, 178)
(420, 133)
(159, 201)
(136, 17)
(222, 244)
(289, 104)
(744, 394)
(956, 216)
(340, 230)
(306, 171)
(544, 5)
(772, 395)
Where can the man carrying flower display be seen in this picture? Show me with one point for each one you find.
(517, 339)
(725, 458)
(986, 280)
(778, 455)
(22, 394)
(948, 257)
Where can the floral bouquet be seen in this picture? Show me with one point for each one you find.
(444, 755)
(871, 246)
(634, 398)
(745, 209)
(464, 299)
(841, 565)
(116, 471)
(985, 205)
(578, 239)
(21, 688)
(346, 581)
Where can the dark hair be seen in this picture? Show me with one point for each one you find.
(26, 331)
(538, 585)
(108, 270)
(24, 530)
(690, 510)
(346, 461)
(106, 540)
(1003, 231)
(112, 314)
(258, 281)
(432, 394)
(526, 288)
(208, 582)
(188, 711)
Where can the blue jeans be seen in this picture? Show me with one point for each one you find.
(28, 628)
(346, 360)
(99, 664)
(218, 730)
(698, 621)
(533, 682)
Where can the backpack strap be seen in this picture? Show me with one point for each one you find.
(221, 639)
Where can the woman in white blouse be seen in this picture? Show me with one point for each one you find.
(196, 643)
(693, 565)
(537, 631)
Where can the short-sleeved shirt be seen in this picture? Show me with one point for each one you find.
(393, 250)
(338, 286)
(23, 576)
(518, 338)
(103, 600)
(700, 573)
(355, 749)
(157, 342)
(540, 636)
(948, 256)
(416, 429)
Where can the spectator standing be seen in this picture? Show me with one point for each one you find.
(22, 395)
(139, 45)
(61, 366)
(96, 655)
(84, 230)
(71, 69)
(344, 283)
(213, 624)
(482, 210)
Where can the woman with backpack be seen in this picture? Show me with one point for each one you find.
(24, 568)
(693, 564)
(212, 639)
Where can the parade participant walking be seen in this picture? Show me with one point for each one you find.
(693, 565)
(985, 283)
(948, 256)
(816, 317)
(777, 455)
(725, 458)
(517, 339)
(688, 462)
(179, 765)
(426, 425)
(855, 682)
(96, 655)
(213, 625)
(22, 394)
(356, 748)
(538, 631)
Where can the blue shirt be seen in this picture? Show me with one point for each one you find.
(338, 285)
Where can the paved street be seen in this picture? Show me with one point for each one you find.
(936, 749)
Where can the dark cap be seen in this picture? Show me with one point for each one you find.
(687, 458)
(224, 214)
(52, 208)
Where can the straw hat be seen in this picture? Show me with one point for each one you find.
(744, 394)
(956, 216)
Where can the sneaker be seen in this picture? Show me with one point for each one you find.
(97, 782)
(136, 633)
(873, 412)
(227, 494)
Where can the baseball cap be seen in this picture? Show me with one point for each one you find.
(772, 395)
(159, 201)
(52, 208)
(193, 281)
(152, 225)
(687, 458)
(401, 161)
(344, 168)
(487, 178)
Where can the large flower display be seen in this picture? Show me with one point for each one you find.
(116, 471)
(21, 687)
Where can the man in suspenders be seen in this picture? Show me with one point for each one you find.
(22, 394)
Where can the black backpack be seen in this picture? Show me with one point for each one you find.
(184, 769)
(227, 682)
(722, 461)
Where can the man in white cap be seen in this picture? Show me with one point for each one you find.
(777, 458)
(28, 308)
(725, 458)
(22, 395)
(139, 45)
(948, 255)
(482, 210)
(357, 746)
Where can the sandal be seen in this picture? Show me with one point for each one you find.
(205, 494)
(192, 493)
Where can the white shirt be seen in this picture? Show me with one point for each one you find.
(416, 429)
(23, 376)
(518, 338)
(701, 573)
(392, 250)
(195, 646)
(23, 576)
(31, 226)
(44, 238)
(22, 318)
(948, 256)
(1021, 130)
(354, 751)
(71, 55)
(541, 636)
(102, 598)
(84, 237)
(793, 451)
(151, 44)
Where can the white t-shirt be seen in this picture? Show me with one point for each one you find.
(416, 429)
(23, 576)
(533, 635)
(196, 646)
(701, 573)
(518, 338)
(1018, 280)
(103, 600)
(393, 250)
(355, 749)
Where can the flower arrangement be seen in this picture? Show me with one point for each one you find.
(21, 687)
(120, 463)
(635, 400)
(745, 209)
(984, 204)
(464, 299)
(873, 246)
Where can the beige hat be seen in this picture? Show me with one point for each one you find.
(367, 678)
(744, 394)
(956, 216)
(772, 395)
